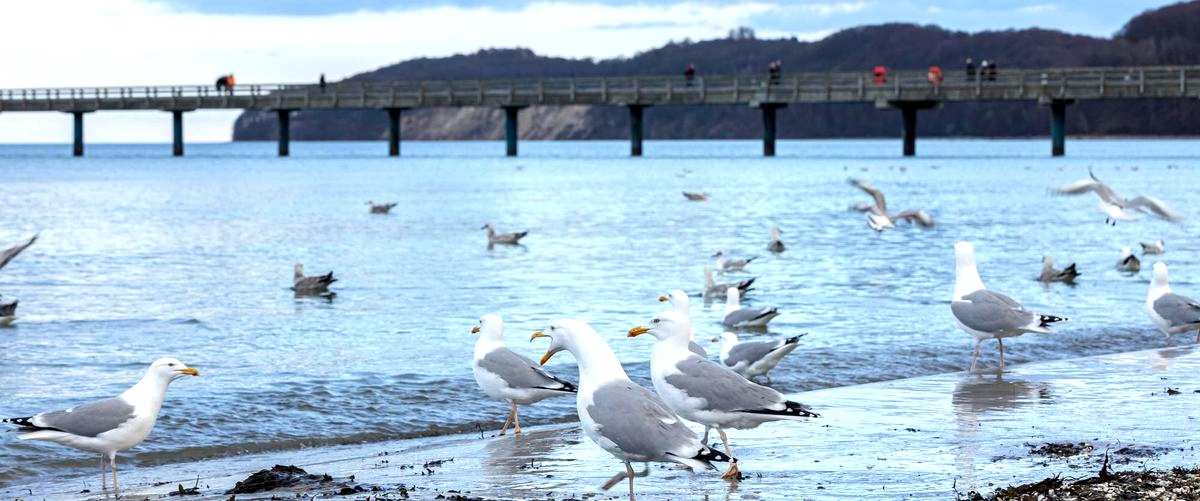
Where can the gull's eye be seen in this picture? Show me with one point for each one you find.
(172, 364)
(655, 321)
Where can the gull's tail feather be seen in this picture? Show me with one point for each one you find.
(25, 425)
(793, 339)
(1044, 321)
(566, 386)
(704, 459)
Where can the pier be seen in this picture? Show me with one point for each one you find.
(906, 91)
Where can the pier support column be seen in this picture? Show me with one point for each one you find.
(1058, 126)
(908, 115)
(177, 133)
(78, 147)
(769, 128)
(511, 130)
(636, 129)
(394, 131)
(285, 131)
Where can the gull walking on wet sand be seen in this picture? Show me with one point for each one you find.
(1171, 312)
(494, 238)
(315, 284)
(755, 358)
(1129, 262)
(726, 264)
(878, 217)
(1052, 274)
(681, 303)
(985, 314)
(382, 208)
(507, 376)
(1158, 247)
(1114, 206)
(738, 317)
(776, 244)
(703, 391)
(712, 289)
(111, 425)
(628, 421)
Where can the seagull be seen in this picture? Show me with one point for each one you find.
(726, 264)
(382, 208)
(111, 425)
(1115, 207)
(695, 196)
(8, 313)
(310, 285)
(13, 251)
(755, 358)
(1153, 248)
(628, 421)
(1129, 262)
(705, 392)
(878, 217)
(776, 244)
(985, 314)
(682, 304)
(736, 316)
(1172, 313)
(1051, 274)
(508, 376)
(502, 238)
(713, 289)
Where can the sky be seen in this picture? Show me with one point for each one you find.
(65, 43)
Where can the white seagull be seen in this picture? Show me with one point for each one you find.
(878, 217)
(738, 317)
(628, 421)
(682, 304)
(725, 263)
(755, 358)
(507, 376)
(111, 425)
(776, 244)
(703, 391)
(1153, 248)
(985, 314)
(310, 285)
(1114, 206)
(712, 289)
(494, 238)
(1128, 261)
(1171, 312)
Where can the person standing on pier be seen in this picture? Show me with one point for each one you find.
(689, 74)
(321, 82)
(970, 69)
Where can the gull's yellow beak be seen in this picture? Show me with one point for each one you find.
(663, 299)
(189, 371)
(549, 353)
(475, 330)
(637, 331)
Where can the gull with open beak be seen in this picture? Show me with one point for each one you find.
(110, 425)
(681, 303)
(706, 392)
(507, 376)
(628, 421)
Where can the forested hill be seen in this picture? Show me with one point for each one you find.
(1170, 35)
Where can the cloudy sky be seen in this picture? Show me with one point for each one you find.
(60, 43)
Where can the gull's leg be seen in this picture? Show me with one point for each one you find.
(732, 473)
(516, 419)
(706, 430)
(631, 474)
(1000, 342)
(103, 476)
(975, 358)
(112, 460)
(511, 410)
(1198, 335)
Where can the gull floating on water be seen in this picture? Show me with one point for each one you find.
(712, 289)
(8, 312)
(382, 208)
(111, 425)
(776, 244)
(1052, 274)
(1129, 262)
(738, 317)
(1153, 248)
(681, 303)
(755, 358)
(13, 251)
(703, 391)
(1114, 206)
(695, 196)
(985, 314)
(628, 421)
(878, 217)
(725, 263)
(507, 376)
(310, 285)
(503, 238)
(1171, 312)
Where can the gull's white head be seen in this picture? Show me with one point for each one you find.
(1160, 281)
(667, 325)
(728, 338)
(490, 327)
(567, 334)
(167, 369)
(298, 269)
(966, 274)
(733, 299)
(679, 300)
(776, 234)
(1126, 252)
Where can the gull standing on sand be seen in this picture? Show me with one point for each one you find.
(682, 305)
(494, 238)
(1052, 274)
(985, 314)
(776, 244)
(507, 376)
(628, 421)
(111, 425)
(1128, 261)
(1153, 248)
(1114, 206)
(878, 217)
(703, 391)
(726, 264)
(382, 208)
(738, 317)
(712, 289)
(755, 358)
(315, 284)
(1171, 312)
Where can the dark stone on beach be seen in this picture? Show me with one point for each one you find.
(277, 477)
(1176, 484)
(1060, 449)
(185, 491)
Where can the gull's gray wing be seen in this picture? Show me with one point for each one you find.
(12, 252)
(880, 202)
(519, 372)
(314, 282)
(747, 315)
(916, 216)
(1154, 206)
(988, 311)
(1091, 184)
(750, 351)
(721, 388)
(637, 421)
(88, 420)
(1181, 311)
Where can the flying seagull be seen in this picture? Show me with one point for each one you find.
(1114, 206)
(1052, 274)
(508, 376)
(755, 358)
(13, 251)
(712, 289)
(382, 208)
(985, 314)
(1129, 262)
(1171, 312)
(878, 217)
(111, 425)
(681, 303)
(695, 196)
(776, 244)
(628, 421)
(738, 317)
(725, 263)
(705, 392)
(310, 285)
(502, 238)
(1153, 248)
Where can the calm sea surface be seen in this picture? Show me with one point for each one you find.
(143, 255)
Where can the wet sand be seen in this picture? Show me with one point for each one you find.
(928, 437)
